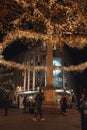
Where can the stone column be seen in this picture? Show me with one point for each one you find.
(45, 78)
(33, 79)
(28, 80)
(25, 80)
(50, 97)
(49, 67)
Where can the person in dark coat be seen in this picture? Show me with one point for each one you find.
(6, 105)
(38, 106)
(83, 111)
(63, 105)
(25, 103)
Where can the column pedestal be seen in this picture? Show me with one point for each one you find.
(50, 105)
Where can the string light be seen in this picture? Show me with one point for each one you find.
(55, 34)
(78, 68)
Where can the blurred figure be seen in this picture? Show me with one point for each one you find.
(25, 103)
(38, 105)
(63, 103)
(83, 110)
(74, 101)
(6, 104)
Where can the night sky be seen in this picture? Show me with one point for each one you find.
(13, 49)
(78, 57)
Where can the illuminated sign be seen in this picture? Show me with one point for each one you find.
(57, 74)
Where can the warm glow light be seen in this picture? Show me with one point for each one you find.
(55, 34)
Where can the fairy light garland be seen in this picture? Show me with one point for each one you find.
(78, 68)
(72, 41)
(21, 66)
(52, 38)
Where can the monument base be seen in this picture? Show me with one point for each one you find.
(50, 103)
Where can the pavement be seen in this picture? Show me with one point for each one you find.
(17, 120)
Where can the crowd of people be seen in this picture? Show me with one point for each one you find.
(34, 105)
(67, 101)
(28, 105)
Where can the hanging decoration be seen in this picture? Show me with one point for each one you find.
(55, 22)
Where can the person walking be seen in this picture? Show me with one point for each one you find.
(6, 105)
(73, 101)
(38, 105)
(83, 111)
(63, 103)
(25, 103)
